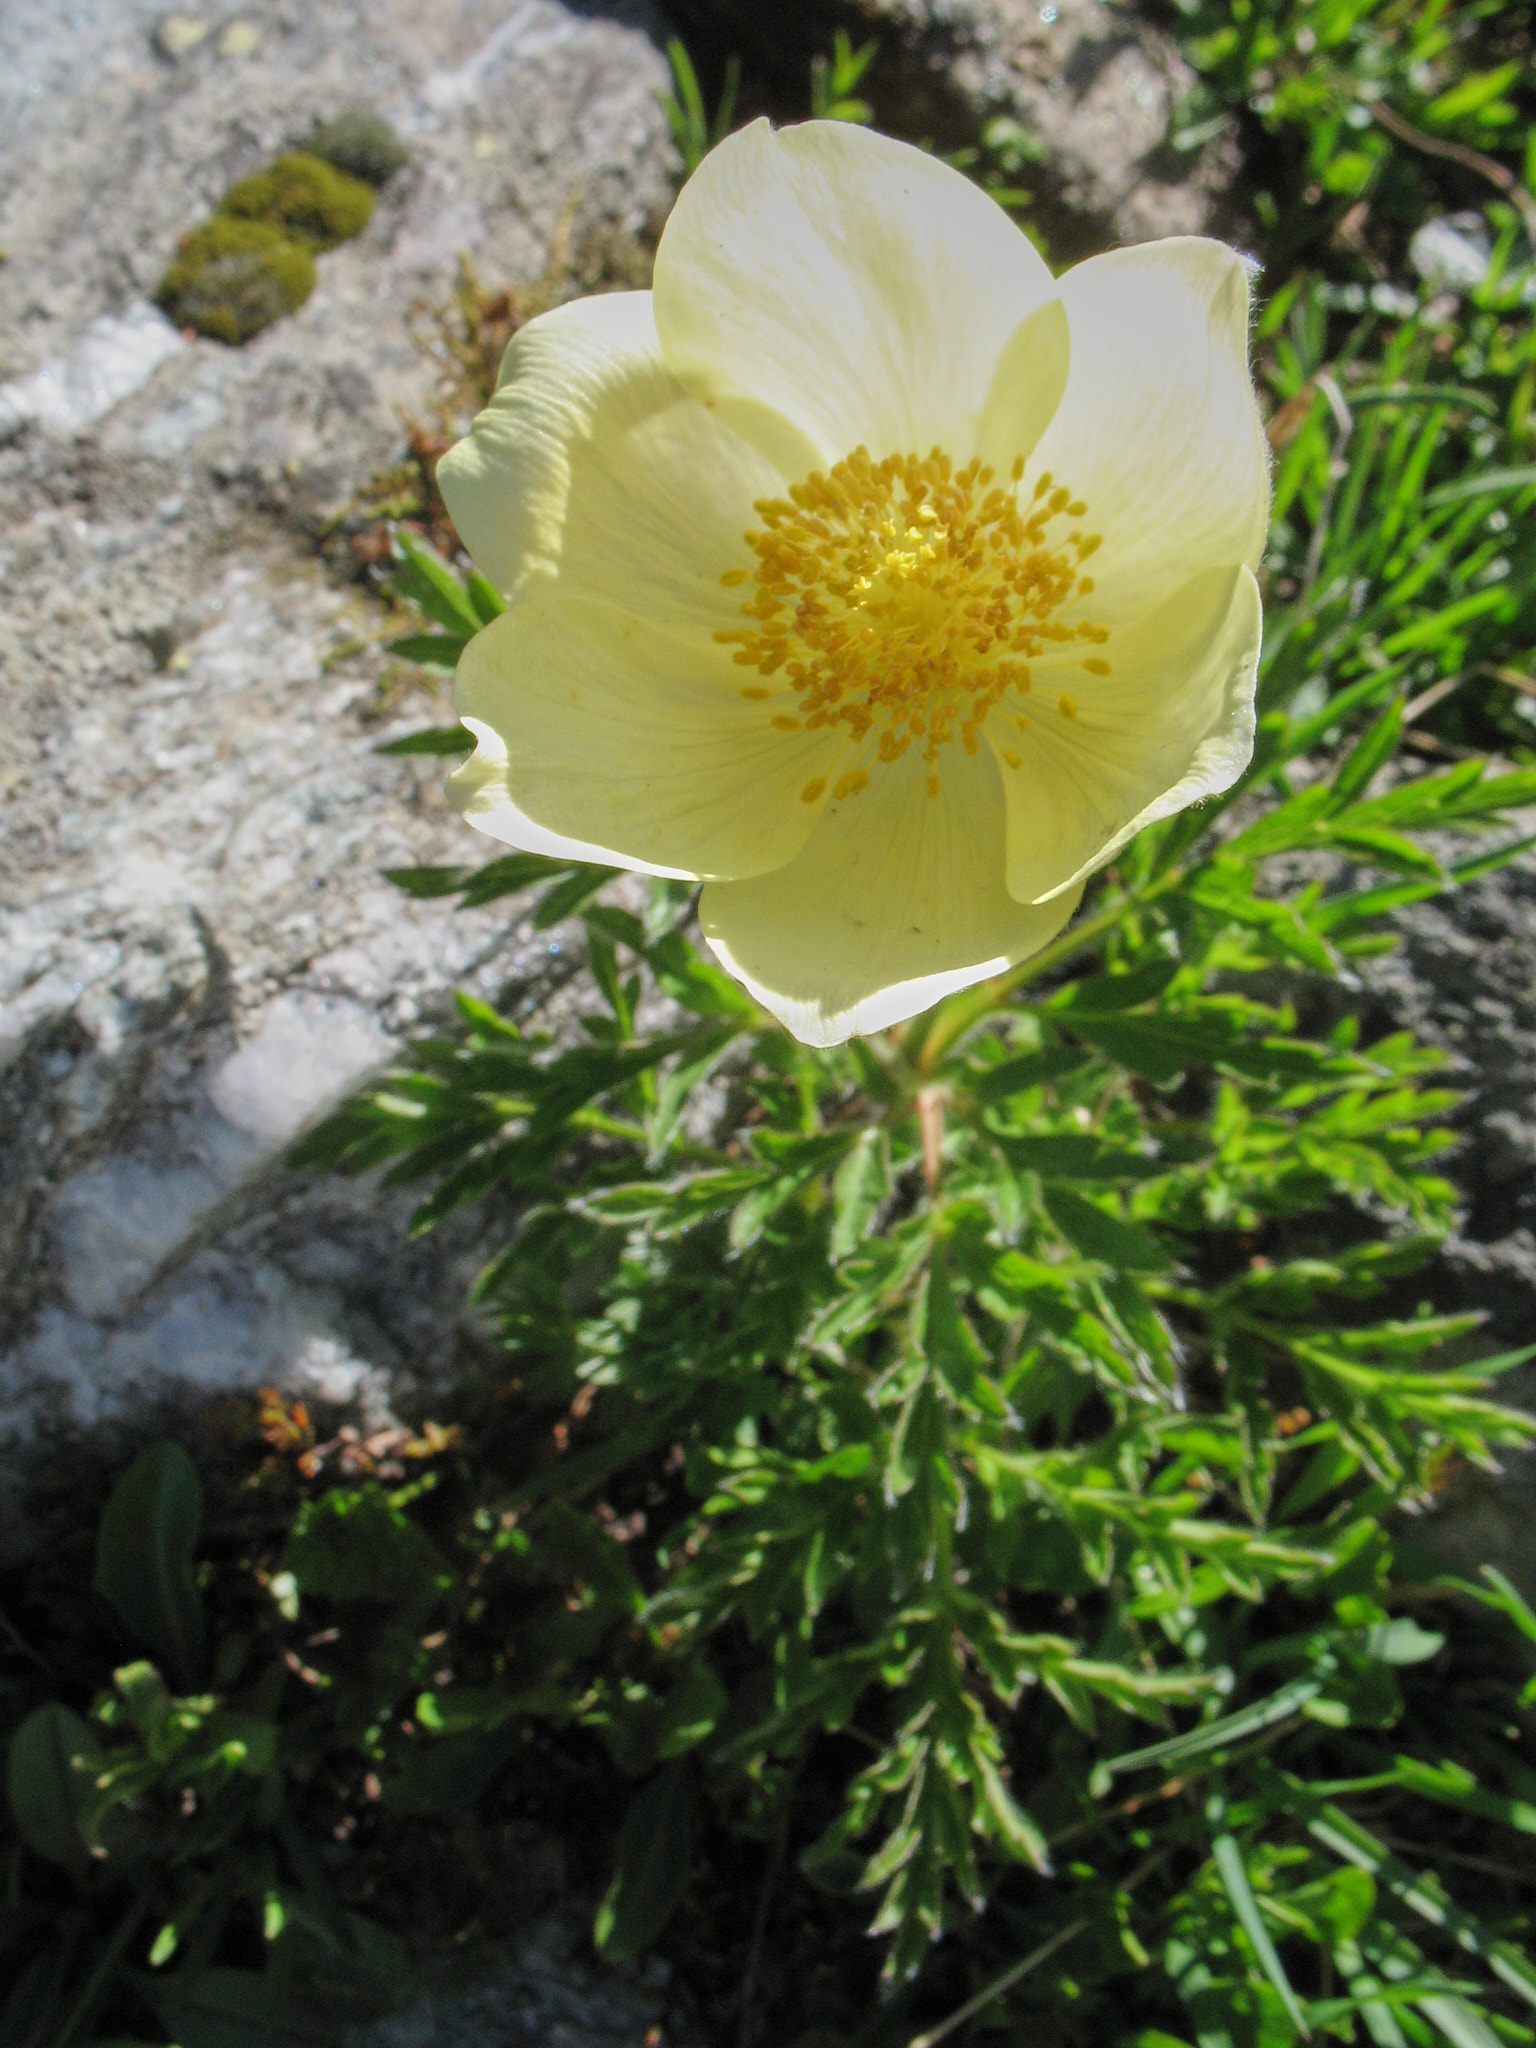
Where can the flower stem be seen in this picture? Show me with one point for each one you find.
(955, 1016)
(930, 1119)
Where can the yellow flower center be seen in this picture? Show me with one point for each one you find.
(904, 599)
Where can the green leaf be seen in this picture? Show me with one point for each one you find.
(692, 1711)
(949, 1343)
(678, 1084)
(1369, 754)
(1482, 484)
(1232, 1870)
(29, 2017)
(432, 739)
(590, 1554)
(569, 896)
(47, 1792)
(425, 578)
(144, 1552)
(918, 1433)
(1382, 848)
(431, 650)
(859, 1186)
(1067, 1155)
(509, 876)
(652, 1862)
(485, 597)
(1125, 1247)
(682, 973)
(1029, 1070)
(1220, 1734)
(357, 1545)
(426, 883)
(238, 2009)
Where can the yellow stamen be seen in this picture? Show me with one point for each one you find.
(1012, 759)
(812, 790)
(1068, 708)
(1095, 667)
(756, 694)
(903, 600)
(733, 578)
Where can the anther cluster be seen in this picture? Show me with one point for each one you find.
(905, 599)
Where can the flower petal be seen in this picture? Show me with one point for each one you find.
(592, 462)
(606, 737)
(896, 901)
(1172, 722)
(1027, 387)
(826, 286)
(1158, 429)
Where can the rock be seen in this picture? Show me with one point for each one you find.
(114, 356)
(198, 952)
(1095, 84)
(1461, 981)
(1452, 251)
(545, 1996)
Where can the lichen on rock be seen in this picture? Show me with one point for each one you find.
(233, 277)
(306, 197)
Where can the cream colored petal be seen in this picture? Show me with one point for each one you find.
(1158, 429)
(825, 286)
(1171, 723)
(618, 740)
(897, 900)
(592, 462)
(1027, 387)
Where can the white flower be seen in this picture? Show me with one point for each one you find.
(865, 571)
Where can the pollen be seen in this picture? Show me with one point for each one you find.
(812, 790)
(902, 600)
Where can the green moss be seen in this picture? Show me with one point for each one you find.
(233, 277)
(360, 142)
(305, 196)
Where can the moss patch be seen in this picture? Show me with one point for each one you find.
(233, 277)
(308, 197)
(254, 260)
(359, 142)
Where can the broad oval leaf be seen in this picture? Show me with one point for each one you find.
(46, 1788)
(144, 1558)
(651, 1866)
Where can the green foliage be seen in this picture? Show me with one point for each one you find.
(1338, 87)
(231, 278)
(162, 1818)
(361, 143)
(1098, 1425)
(835, 81)
(982, 1466)
(687, 116)
(309, 199)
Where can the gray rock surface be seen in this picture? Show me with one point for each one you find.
(1095, 82)
(197, 950)
(545, 1996)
